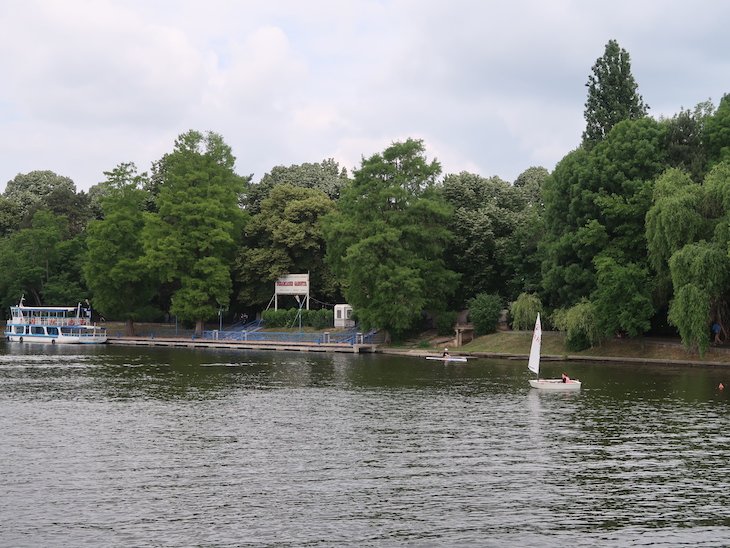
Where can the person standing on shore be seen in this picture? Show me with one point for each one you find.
(716, 331)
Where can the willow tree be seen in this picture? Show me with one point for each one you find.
(701, 276)
(387, 239)
(190, 240)
(674, 220)
(688, 230)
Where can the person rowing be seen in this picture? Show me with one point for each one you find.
(445, 354)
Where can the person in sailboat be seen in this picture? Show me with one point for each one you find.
(566, 378)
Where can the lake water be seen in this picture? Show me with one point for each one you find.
(115, 446)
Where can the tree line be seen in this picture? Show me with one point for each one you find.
(629, 234)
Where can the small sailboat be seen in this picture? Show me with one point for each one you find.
(533, 364)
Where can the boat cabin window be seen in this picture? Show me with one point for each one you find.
(37, 330)
(19, 330)
(53, 331)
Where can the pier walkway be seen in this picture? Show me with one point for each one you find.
(182, 342)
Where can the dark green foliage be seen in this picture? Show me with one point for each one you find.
(386, 241)
(190, 240)
(122, 283)
(289, 318)
(622, 300)
(494, 226)
(684, 140)
(612, 94)
(595, 204)
(30, 258)
(716, 133)
(445, 322)
(326, 177)
(484, 311)
(285, 237)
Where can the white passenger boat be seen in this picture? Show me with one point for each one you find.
(53, 324)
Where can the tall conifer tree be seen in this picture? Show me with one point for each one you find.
(612, 94)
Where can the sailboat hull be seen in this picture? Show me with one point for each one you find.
(556, 385)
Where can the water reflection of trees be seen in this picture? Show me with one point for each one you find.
(178, 373)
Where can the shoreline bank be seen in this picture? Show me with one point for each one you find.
(420, 353)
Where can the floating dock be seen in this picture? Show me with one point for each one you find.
(281, 346)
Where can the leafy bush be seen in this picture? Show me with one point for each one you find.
(445, 323)
(484, 310)
(524, 311)
(317, 319)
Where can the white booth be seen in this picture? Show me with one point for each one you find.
(343, 316)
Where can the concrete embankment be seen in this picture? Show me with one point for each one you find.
(241, 345)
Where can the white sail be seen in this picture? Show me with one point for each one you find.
(534, 363)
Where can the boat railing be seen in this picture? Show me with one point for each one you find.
(45, 320)
(351, 336)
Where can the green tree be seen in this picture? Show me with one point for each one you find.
(674, 220)
(524, 311)
(530, 183)
(9, 216)
(716, 133)
(579, 322)
(326, 176)
(114, 267)
(612, 94)
(689, 313)
(285, 237)
(688, 231)
(490, 223)
(684, 141)
(595, 204)
(622, 299)
(484, 311)
(30, 258)
(386, 241)
(191, 239)
(31, 191)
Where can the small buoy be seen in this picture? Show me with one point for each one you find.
(721, 386)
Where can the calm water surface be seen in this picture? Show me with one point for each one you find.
(112, 446)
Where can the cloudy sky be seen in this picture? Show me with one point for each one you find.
(491, 87)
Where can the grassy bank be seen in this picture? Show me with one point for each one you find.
(553, 344)
(508, 343)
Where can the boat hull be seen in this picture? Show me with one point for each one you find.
(449, 359)
(59, 339)
(556, 385)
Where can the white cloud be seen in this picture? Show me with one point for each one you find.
(490, 88)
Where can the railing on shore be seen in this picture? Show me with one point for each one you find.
(253, 332)
(352, 336)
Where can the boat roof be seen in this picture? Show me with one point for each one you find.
(45, 308)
